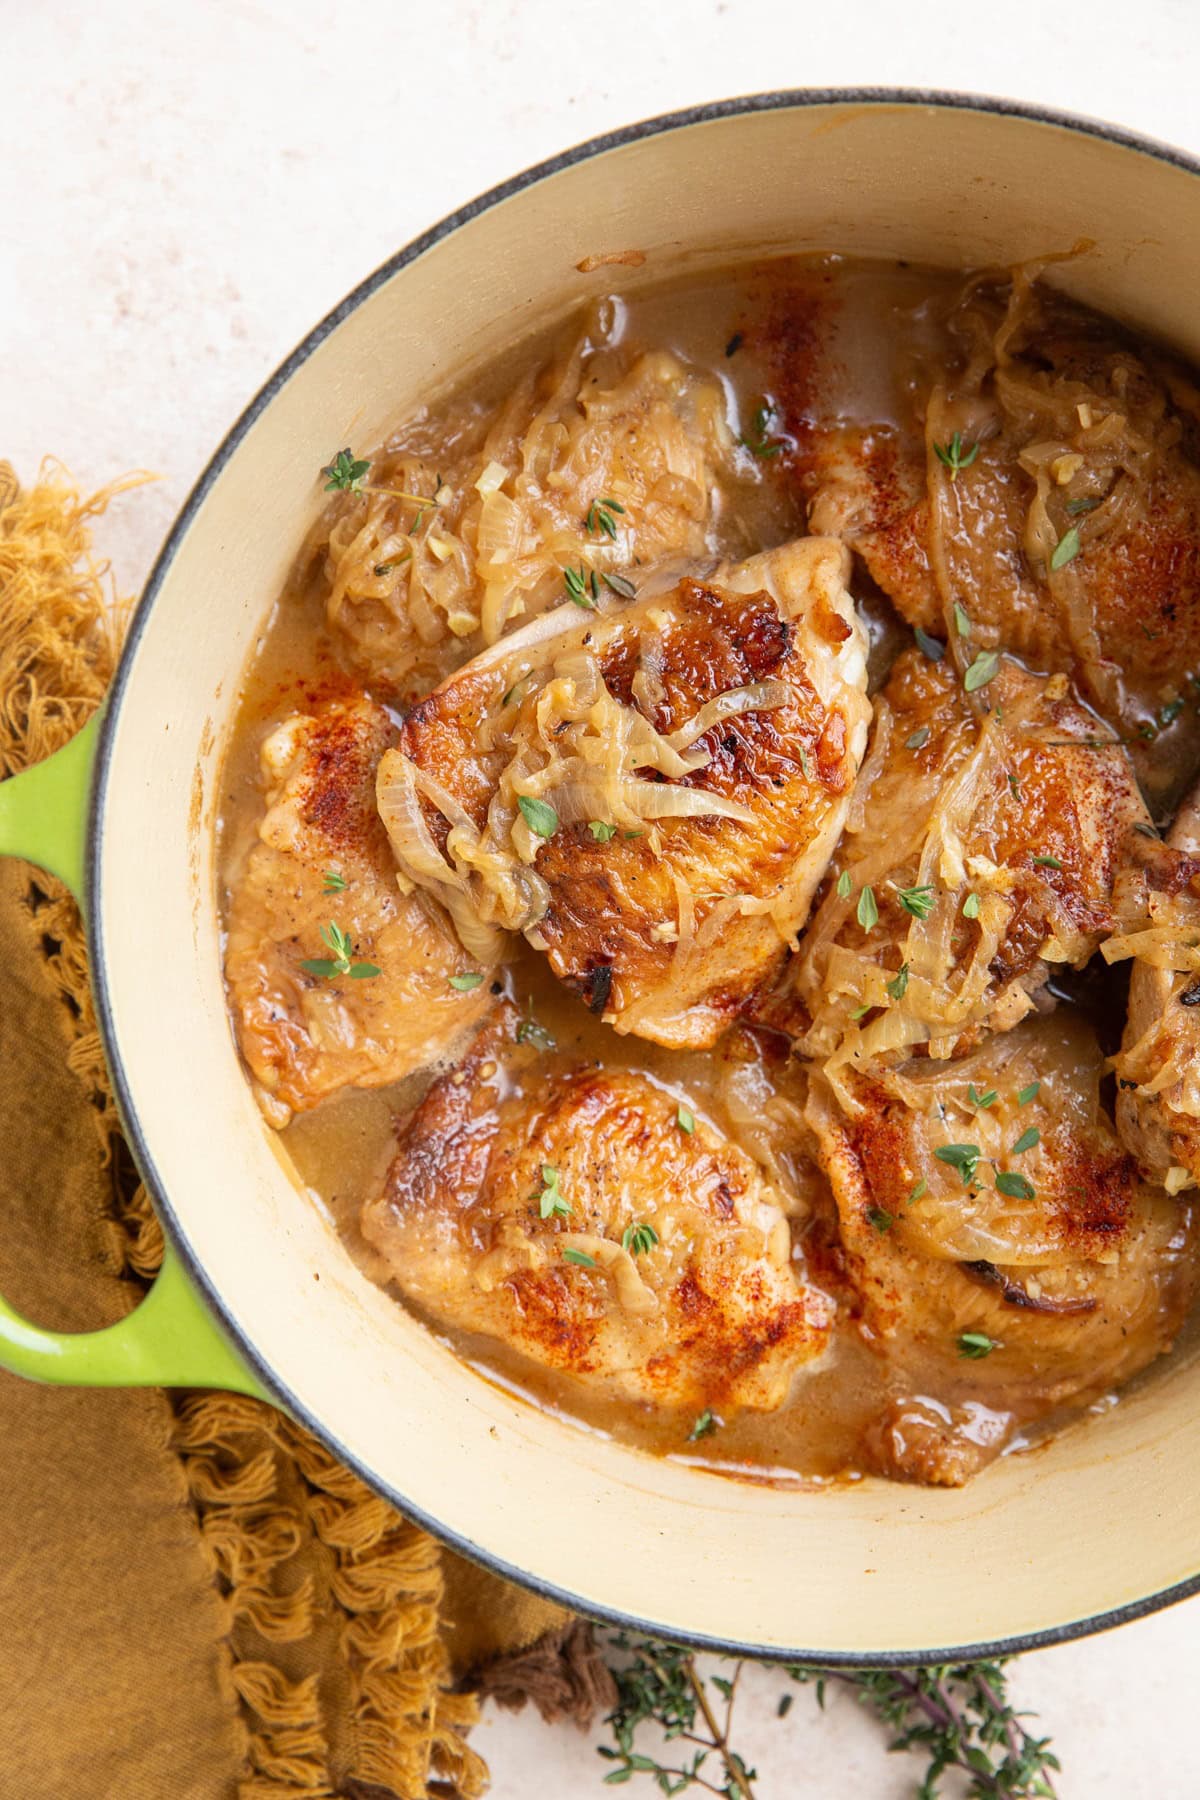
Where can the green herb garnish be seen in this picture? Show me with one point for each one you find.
(954, 456)
(932, 647)
(580, 1258)
(970, 906)
(339, 963)
(1017, 1187)
(704, 1426)
(984, 669)
(981, 1101)
(346, 474)
(582, 586)
(685, 1118)
(1066, 549)
(757, 440)
(334, 883)
(962, 622)
(463, 984)
(976, 1344)
(919, 901)
(539, 815)
(1046, 862)
(897, 987)
(530, 1031)
(638, 1239)
(600, 516)
(601, 831)
(552, 1202)
(877, 1217)
(673, 1720)
(844, 884)
(919, 1187)
(385, 568)
(1028, 1093)
(620, 585)
(1082, 506)
(919, 738)
(1026, 1141)
(867, 912)
(963, 1157)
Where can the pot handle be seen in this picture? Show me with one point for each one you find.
(171, 1339)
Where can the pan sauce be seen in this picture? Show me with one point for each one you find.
(827, 341)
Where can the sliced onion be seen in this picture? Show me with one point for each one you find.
(758, 696)
(663, 800)
(419, 858)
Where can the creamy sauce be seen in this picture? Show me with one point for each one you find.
(825, 332)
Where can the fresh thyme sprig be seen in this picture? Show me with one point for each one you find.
(673, 1722)
(340, 961)
(955, 456)
(600, 516)
(582, 585)
(659, 1684)
(346, 474)
(960, 1717)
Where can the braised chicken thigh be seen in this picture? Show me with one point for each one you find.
(999, 1237)
(650, 792)
(433, 544)
(594, 1223)
(318, 886)
(1046, 483)
(991, 839)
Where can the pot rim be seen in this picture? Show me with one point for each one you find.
(772, 101)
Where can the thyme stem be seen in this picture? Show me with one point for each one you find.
(720, 1738)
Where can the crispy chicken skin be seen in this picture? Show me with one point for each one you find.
(664, 925)
(712, 1313)
(1080, 1277)
(303, 1035)
(1003, 816)
(1063, 429)
(1158, 1070)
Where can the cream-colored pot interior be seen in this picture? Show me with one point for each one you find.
(1104, 1517)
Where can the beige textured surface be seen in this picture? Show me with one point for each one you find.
(154, 272)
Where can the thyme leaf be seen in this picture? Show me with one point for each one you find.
(1066, 549)
(954, 456)
(539, 815)
(340, 960)
(346, 472)
(919, 901)
(985, 668)
(600, 516)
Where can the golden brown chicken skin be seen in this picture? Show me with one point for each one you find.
(572, 1217)
(320, 862)
(1006, 1254)
(652, 792)
(1049, 485)
(987, 844)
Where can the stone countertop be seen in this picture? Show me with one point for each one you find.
(190, 186)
